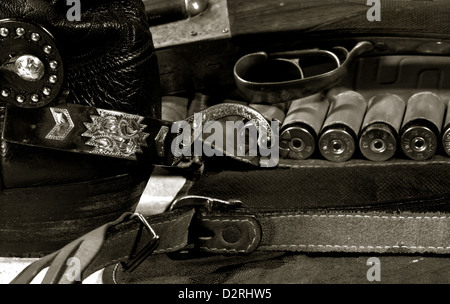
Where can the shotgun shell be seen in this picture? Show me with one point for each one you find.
(422, 125)
(200, 102)
(173, 108)
(381, 126)
(446, 132)
(270, 112)
(342, 124)
(301, 127)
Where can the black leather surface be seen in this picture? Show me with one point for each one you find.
(109, 63)
(108, 54)
(49, 197)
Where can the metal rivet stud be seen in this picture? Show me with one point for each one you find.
(20, 31)
(35, 97)
(53, 64)
(47, 91)
(4, 32)
(53, 78)
(48, 49)
(20, 98)
(35, 37)
(5, 93)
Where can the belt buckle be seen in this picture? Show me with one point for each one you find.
(136, 258)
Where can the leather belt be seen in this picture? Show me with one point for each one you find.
(37, 113)
(222, 227)
(111, 243)
(90, 130)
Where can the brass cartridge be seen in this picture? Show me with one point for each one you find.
(337, 141)
(173, 108)
(200, 102)
(381, 126)
(301, 126)
(422, 125)
(270, 112)
(446, 131)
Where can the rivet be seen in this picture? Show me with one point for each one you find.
(4, 32)
(53, 64)
(231, 234)
(20, 31)
(53, 78)
(35, 37)
(48, 49)
(35, 97)
(381, 46)
(5, 93)
(20, 98)
(195, 7)
(47, 91)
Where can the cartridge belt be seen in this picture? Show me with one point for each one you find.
(215, 226)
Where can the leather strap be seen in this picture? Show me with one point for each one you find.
(114, 242)
(371, 232)
(234, 230)
(90, 130)
(325, 231)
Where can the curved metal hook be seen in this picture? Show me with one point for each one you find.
(283, 91)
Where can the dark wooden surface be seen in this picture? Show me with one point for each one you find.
(275, 16)
(338, 17)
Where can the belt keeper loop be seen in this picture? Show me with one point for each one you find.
(228, 233)
(225, 226)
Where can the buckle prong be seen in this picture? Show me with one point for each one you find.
(145, 223)
(209, 203)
